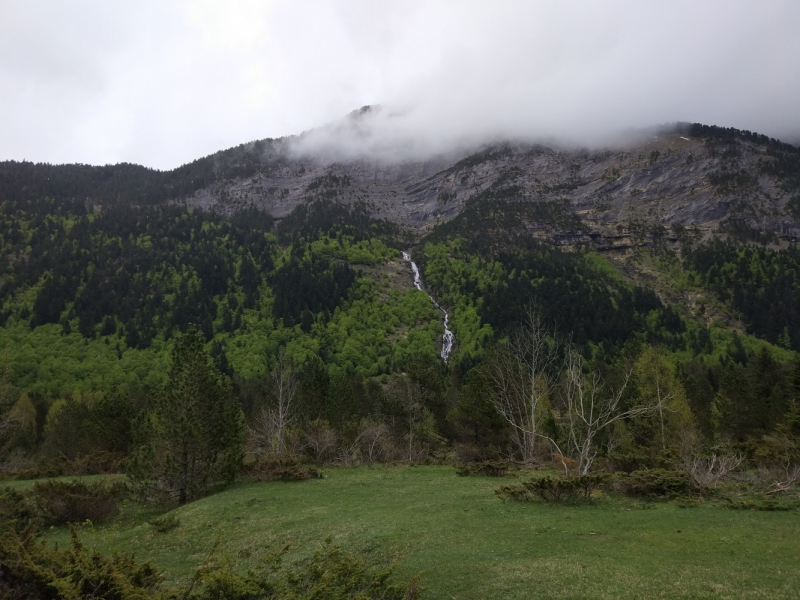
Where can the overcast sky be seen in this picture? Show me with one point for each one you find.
(163, 82)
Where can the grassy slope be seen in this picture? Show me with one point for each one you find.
(469, 544)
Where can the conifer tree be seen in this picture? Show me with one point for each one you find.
(191, 436)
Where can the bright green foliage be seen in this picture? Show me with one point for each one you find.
(193, 433)
(90, 301)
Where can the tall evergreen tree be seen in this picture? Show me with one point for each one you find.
(191, 438)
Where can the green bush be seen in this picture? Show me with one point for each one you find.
(74, 501)
(280, 469)
(17, 512)
(553, 489)
(330, 573)
(97, 463)
(486, 468)
(166, 523)
(768, 504)
(655, 483)
(36, 570)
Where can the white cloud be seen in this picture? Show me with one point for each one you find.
(162, 83)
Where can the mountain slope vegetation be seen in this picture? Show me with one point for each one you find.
(291, 269)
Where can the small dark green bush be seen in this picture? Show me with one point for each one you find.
(17, 512)
(166, 523)
(684, 502)
(768, 504)
(97, 463)
(74, 501)
(486, 468)
(280, 469)
(628, 462)
(553, 489)
(37, 570)
(655, 483)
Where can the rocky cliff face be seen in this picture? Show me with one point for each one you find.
(678, 177)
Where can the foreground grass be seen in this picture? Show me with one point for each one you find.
(468, 544)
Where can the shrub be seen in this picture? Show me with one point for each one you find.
(166, 523)
(17, 512)
(637, 460)
(552, 489)
(98, 463)
(75, 501)
(768, 504)
(655, 483)
(487, 468)
(36, 570)
(330, 573)
(280, 469)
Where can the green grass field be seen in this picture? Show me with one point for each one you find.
(468, 544)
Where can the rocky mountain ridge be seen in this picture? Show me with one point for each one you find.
(686, 176)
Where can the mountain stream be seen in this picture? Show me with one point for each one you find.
(448, 338)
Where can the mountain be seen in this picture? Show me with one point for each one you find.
(683, 238)
(686, 174)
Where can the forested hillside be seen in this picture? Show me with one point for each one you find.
(330, 353)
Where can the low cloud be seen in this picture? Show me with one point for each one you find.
(162, 83)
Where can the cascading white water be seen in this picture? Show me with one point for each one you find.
(448, 338)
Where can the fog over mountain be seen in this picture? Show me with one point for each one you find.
(161, 83)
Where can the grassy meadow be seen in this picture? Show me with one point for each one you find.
(466, 543)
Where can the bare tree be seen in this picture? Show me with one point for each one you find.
(590, 409)
(321, 439)
(421, 427)
(710, 471)
(279, 414)
(375, 441)
(523, 374)
(785, 481)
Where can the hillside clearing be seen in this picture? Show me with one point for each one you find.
(468, 544)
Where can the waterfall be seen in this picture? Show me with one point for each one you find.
(448, 338)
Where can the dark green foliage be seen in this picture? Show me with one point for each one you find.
(86, 428)
(793, 206)
(36, 570)
(280, 469)
(313, 219)
(636, 460)
(762, 285)
(553, 489)
(766, 504)
(192, 435)
(96, 463)
(137, 272)
(330, 573)
(60, 502)
(127, 184)
(654, 483)
(18, 511)
(304, 288)
(485, 468)
(500, 278)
